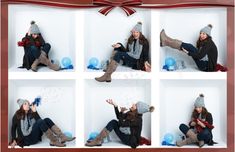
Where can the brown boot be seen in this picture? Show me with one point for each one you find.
(59, 133)
(44, 60)
(35, 65)
(186, 141)
(99, 139)
(167, 41)
(111, 58)
(192, 136)
(201, 143)
(54, 141)
(107, 75)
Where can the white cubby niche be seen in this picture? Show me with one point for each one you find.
(57, 27)
(124, 92)
(57, 103)
(177, 99)
(185, 25)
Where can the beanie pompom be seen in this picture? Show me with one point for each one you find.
(210, 25)
(139, 23)
(151, 108)
(32, 22)
(201, 95)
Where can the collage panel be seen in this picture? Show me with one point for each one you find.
(53, 43)
(99, 113)
(180, 98)
(54, 101)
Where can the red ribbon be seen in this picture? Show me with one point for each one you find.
(109, 5)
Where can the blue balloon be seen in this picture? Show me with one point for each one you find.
(68, 134)
(93, 135)
(94, 62)
(168, 138)
(66, 62)
(170, 61)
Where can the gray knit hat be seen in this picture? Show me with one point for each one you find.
(199, 102)
(137, 27)
(142, 107)
(21, 102)
(34, 28)
(207, 29)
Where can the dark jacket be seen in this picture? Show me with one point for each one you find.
(27, 42)
(207, 120)
(16, 127)
(134, 124)
(144, 56)
(207, 47)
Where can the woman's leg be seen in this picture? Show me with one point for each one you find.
(46, 48)
(45, 128)
(33, 54)
(57, 131)
(113, 125)
(205, 136)
(191, 136)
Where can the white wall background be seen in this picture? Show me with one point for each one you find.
(177, 104)
(124, 92)
(100, 31)
(185, 25)
(58, 100)
(57, 27)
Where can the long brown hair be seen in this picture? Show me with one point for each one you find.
(199, 42)
(20, 113)
(142, 39)
(204, 113)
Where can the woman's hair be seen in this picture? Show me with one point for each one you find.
(142, 39)
(204, 113)
(20, 114)
(199, 42)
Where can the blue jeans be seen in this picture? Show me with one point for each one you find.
(35, 51)
(128, 60)
(205, 135)
(41, 125)
(202, 65)
(113, 125)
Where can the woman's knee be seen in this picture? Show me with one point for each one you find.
(46, 48)
(49, 122)
(183, 128)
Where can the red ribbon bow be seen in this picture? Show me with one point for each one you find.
(108, 6)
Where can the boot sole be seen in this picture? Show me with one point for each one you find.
(57, 145)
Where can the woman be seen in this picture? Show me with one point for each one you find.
(36, 50)
(127, 128)
(200, 126)
(205, 54)
(30, 127)
(135, 55)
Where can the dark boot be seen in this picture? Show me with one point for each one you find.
(44, 60)
(59, 133)
(107, 75)
(167, 41)
(35, 65)
(99, 139)
(54, 141)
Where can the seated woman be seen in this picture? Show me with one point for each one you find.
(28, 127)
(36, 50)
(200, 127)
(128, 126)
(135, 55)
(205, 53)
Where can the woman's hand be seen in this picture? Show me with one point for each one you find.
(13, 144)
(116, 45)
(110, 101)
(200, 123)
(147, 66)
(33, 108)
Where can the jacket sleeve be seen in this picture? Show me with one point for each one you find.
(201, 52)
(127, 123)
(146, 51)
(13, 128)
(119, 115)
(36, 115)
(42, 41)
